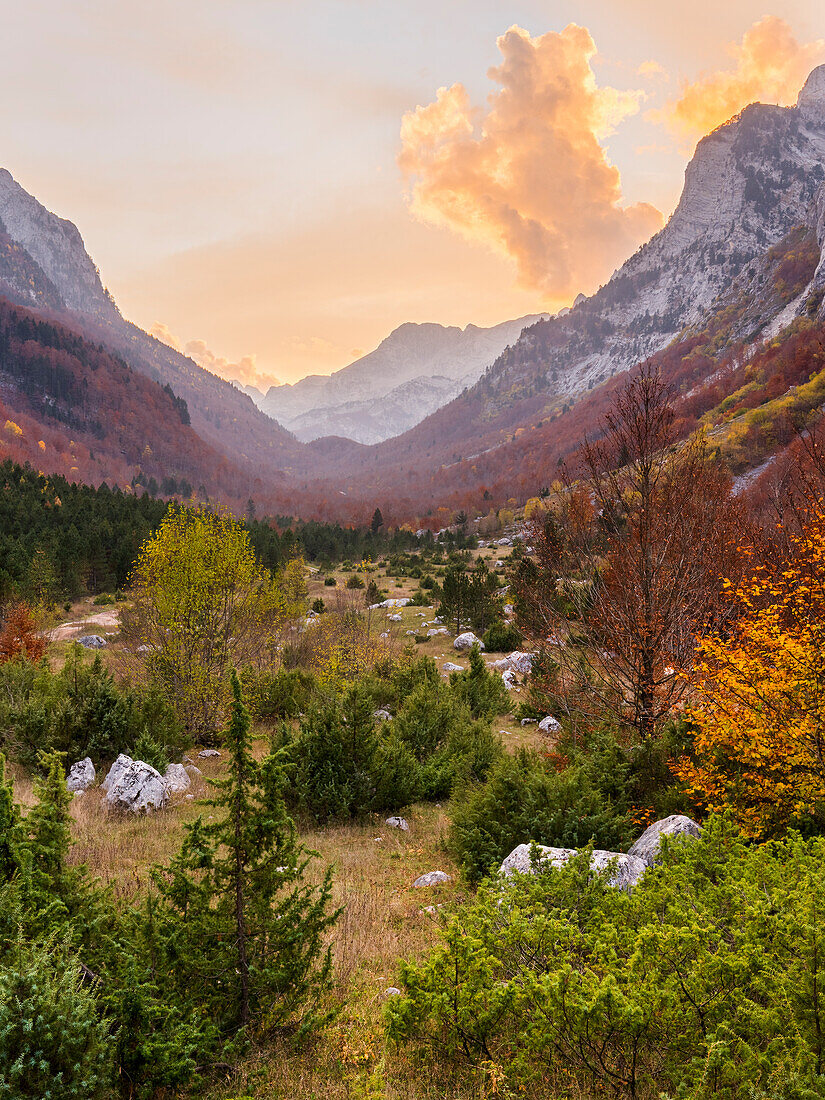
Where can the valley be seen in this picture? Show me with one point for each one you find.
(449, 725)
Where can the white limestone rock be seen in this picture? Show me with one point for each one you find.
(647, 846)
(432, 878)
(549, 724)
(624, 875)
(81, 776)
(521, 662)
(209, 754)
(116, 770)
(138, 788)
(177, 778)
(467, 640)
(448, 666)
(92, 641)
(398, 823)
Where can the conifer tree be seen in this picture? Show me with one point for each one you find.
(9, 827)
(53, 1043)
(243, 932)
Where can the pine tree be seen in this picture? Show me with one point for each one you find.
(53, 1043)
(10, 829)
(377, 521)
(243, 932)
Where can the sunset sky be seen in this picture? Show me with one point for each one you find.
(279, 183)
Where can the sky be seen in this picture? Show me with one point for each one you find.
(274, 185)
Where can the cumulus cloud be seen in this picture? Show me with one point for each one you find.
(651, 69)
(769, 65)
(528, 176)
(161, 332)
(245, 371)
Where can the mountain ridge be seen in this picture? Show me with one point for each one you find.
(441, 360)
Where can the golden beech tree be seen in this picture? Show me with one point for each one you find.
(202, 604)
(760, 710)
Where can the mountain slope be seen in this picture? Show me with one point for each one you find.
(417, 368)
(751, 185)
(44, 265)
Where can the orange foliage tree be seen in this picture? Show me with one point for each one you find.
(20, 636)
(760, 710)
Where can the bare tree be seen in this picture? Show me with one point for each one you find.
(627, 583)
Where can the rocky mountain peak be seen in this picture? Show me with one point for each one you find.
(56, 246)
(811, 101)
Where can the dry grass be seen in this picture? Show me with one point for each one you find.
(383, 919)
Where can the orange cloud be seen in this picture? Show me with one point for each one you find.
(651, 69)
(161, 332)
(244, 371)
(769, 65)
(528, 177)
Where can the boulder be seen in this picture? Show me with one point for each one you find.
(647, 846)
(394, 618)
(528, 721)
(397, 823)
(626, 873)
(432, 878)
(192, 771)
(434, 631)
(92, 641)
(521, 662)
(392, 991)
(177, 779)
(382, 714)
(208, 754)
(508, 678)
(549, 724)
(138, 788)
(81, 775)
(384, 635)
(402, 602)
(502, 664)
(448, 666)
(116, 770)
(467, 640)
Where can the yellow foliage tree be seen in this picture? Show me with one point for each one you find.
(760, 712)
(202, 605)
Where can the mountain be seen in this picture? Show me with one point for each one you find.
(411, 373)
(44, 265)
(728, 300)
(740, 259)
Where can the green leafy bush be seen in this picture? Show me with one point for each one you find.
(501, 637)
(482, 691)
(54, 1044)
(150, 751)
(704, 982)
(523, 800)
(330, 582)
(273, 696)
(78, 710)
(355, 581)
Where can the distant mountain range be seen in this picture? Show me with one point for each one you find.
(729, 299)
(413, 372)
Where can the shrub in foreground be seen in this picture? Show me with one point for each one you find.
(705, 982)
